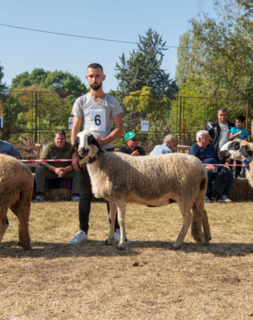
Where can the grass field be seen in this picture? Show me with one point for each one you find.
(92, 281)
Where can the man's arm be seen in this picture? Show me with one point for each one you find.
(15, 153)
(116, 133)
(75, 130)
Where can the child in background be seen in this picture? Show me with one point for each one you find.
(238, 132)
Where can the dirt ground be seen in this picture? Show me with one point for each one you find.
(146, 281)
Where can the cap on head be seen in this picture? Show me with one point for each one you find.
(130, 135)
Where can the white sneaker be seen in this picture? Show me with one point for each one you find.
(225, 198)
(80, 237)
(117, 238)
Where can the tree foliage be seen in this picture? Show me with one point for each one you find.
(143, 68)
(56, 81)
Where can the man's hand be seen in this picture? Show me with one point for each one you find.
(76, 161)
(58, 171)
(100, 141)
(227, 166)
(210, 168)
(135, 153)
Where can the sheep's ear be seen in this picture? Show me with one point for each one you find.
(90, 139)
(246, 152)
(95, 143)
(235, 145)
(74, 147)
(224, 155)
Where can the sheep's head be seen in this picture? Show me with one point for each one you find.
(86, 146)
(236, 150)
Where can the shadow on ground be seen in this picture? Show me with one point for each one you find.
(54, 250)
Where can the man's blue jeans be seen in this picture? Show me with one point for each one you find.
(211, 176)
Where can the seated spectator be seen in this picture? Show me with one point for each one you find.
(59, 149)
(7, 148)
(169, 143)
(131, 146)
(205, 151)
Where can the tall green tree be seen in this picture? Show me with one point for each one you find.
(226, 55)
(143, 68)
(56, 81)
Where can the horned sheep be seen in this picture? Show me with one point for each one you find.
(153, 181)
(16, 186)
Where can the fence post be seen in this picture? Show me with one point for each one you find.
(36, 110)
(180, 111)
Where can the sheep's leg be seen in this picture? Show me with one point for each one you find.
(187, 217)
(121, 206)
(206, 228)
(3, 222)
(22, 210)
(112, 216)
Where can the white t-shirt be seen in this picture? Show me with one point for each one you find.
(97, 116)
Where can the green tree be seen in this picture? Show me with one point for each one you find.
(3, 86)
(56, 81)
(143, 68)
(226, 55)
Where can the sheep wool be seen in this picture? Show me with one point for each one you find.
(16, 186)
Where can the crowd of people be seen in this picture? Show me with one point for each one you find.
(95, 111)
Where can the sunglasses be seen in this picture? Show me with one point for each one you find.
(136, 139)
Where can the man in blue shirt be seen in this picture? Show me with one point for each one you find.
(7, 148)
(168, 144)
(206, 153)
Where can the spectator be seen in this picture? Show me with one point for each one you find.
(169, 143)
(219, 129)
(131, 146)
(59, 149)
(239, 132)
(205, 151)
(7, 148)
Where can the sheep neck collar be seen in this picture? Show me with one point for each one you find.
(93, 159)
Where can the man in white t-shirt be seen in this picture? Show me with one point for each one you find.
(95, 110)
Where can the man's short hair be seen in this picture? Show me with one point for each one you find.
(240, 118)
(95, 66)
(200, 134)
(168, 138)
(222, 110)
(61, 132)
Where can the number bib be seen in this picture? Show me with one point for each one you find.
(97, 120)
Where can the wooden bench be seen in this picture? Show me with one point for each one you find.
(29, 152)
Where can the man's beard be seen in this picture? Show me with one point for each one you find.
(97, 87)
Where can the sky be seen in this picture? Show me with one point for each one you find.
(22, 50)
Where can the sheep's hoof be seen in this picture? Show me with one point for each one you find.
(120, 248)
(106, 243)
(175, 248)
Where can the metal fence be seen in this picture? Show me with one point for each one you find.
(31, 117)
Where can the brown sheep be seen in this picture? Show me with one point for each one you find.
(153, 181)
(16, 186)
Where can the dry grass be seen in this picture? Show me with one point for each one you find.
(92, 281)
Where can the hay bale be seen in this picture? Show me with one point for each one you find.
(240, 190)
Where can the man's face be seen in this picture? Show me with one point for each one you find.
(205, 139)
(222, 116)
(133, 143)
(95, 77)
(59, 140)
(171, 144)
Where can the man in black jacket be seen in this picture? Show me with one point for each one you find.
(219, 129)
